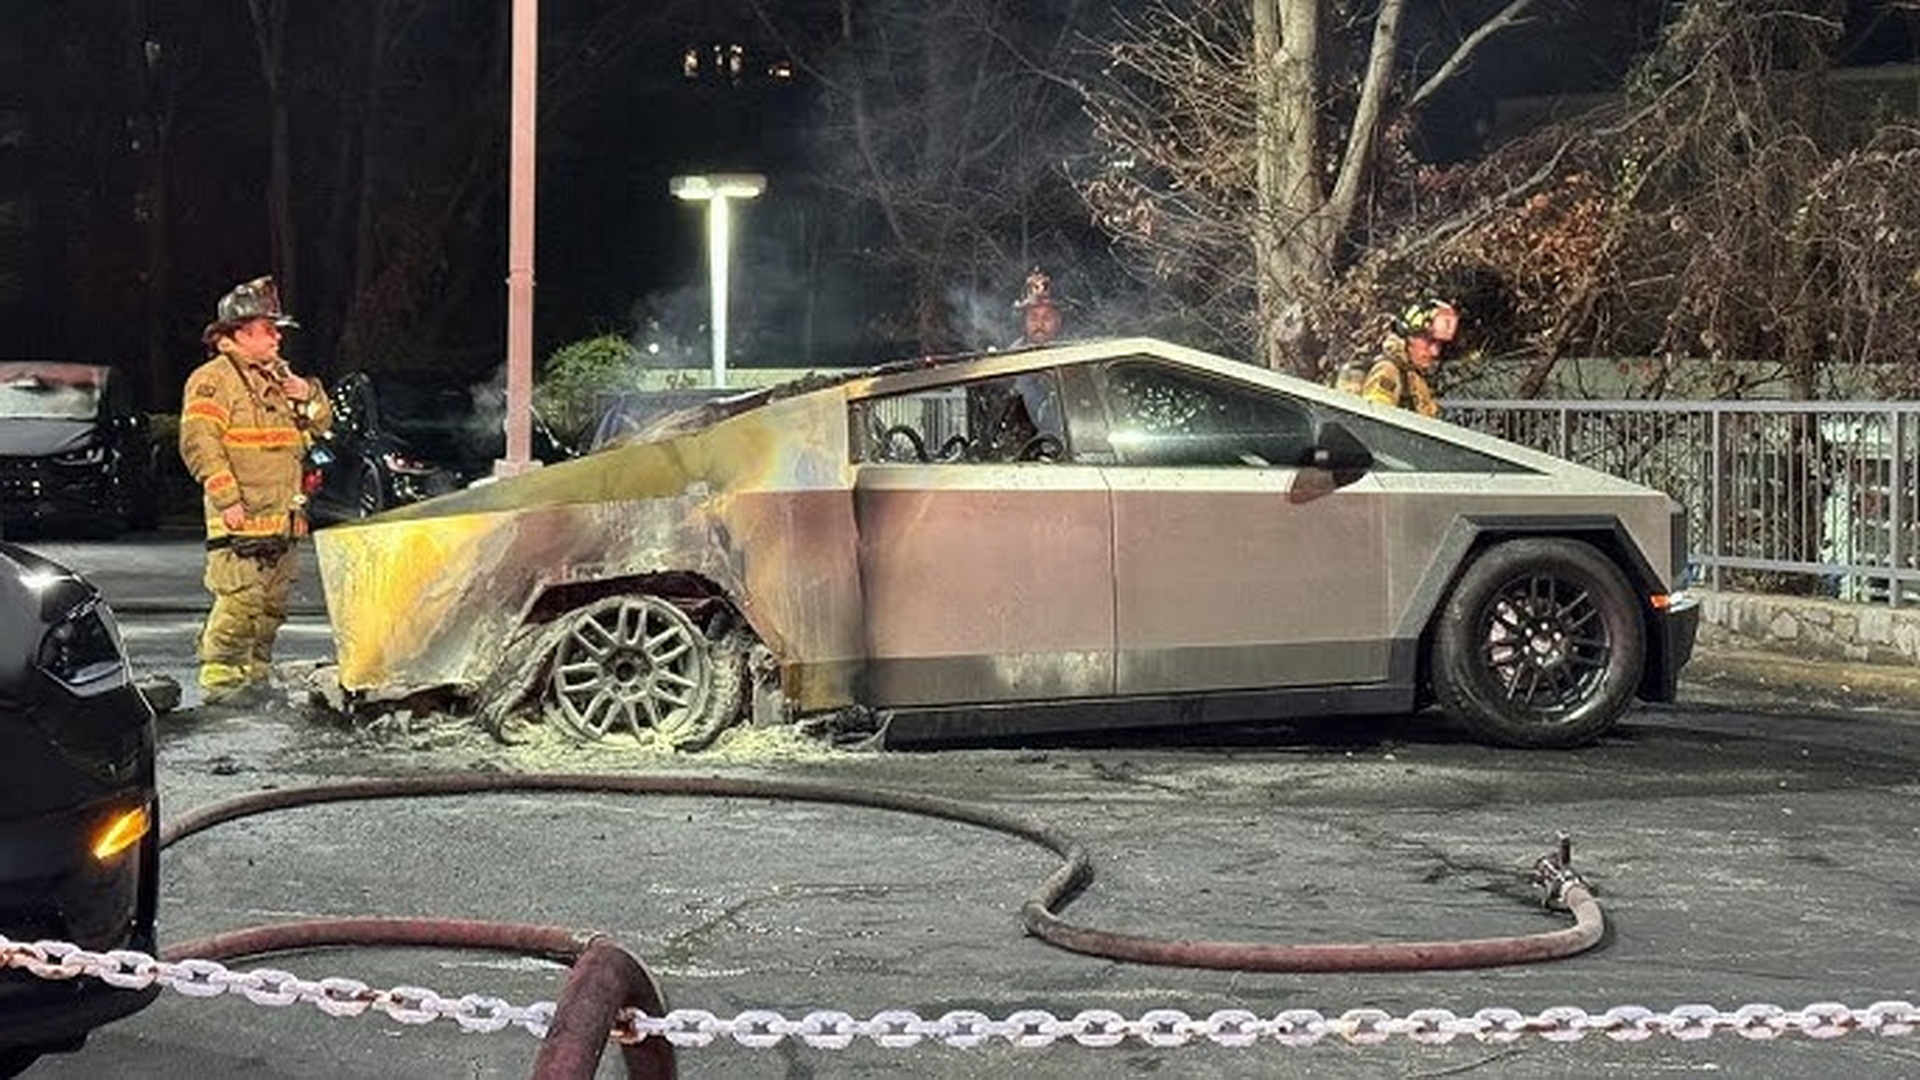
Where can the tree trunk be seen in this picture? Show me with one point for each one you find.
(358, 175)
(364, 250)
(270, 37)
(150, 113)
(1298, 223)
(1285, 58)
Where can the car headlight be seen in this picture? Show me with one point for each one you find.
(82, 649)
(86, 456)
(401, 463)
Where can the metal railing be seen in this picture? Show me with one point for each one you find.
(1812, 498)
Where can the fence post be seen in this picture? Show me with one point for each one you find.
(1897, 509)
(1713, 514)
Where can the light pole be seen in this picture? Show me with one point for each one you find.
(520, 173)
(717, 190)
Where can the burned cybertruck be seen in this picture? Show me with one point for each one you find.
(1092, 535)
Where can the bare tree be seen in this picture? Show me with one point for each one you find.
(270, 43)
(1738, 218)
(150, 122)
(1738, 223)
(943, 125)
(419, 162)
(1239, 138)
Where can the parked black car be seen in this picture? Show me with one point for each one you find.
(399, 439)
(79, 837)
(74, 452)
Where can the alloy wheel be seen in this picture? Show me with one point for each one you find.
(636, 663)
(1546, 643)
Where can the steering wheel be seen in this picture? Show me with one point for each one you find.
(1042, 447)
(954, 448)
(912, 438)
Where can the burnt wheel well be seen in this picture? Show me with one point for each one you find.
(704, 601)
(517, 680)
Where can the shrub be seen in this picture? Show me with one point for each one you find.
(578, 377)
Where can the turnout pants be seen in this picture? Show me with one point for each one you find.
(249, 604)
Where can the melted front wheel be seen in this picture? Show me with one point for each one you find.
(632, 662)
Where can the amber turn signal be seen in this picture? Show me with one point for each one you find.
(122, 832)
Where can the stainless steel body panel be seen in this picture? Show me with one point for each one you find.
(434, 593)
(985, 583)
(1429, 525)
(1215, 589)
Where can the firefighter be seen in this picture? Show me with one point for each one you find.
(245, 426)
(1039, 315)
(1409, 357)
(1351, 375)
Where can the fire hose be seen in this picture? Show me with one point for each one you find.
(606, 978)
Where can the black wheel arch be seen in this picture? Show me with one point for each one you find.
(1472, 535)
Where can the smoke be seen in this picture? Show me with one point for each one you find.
(983, 321)
(1091, 305)
(851, 312)
(486, 422)
(670, 330)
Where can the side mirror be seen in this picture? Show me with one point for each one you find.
(1337, 451)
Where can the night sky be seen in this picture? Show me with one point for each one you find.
(155, 122)
(134, 166)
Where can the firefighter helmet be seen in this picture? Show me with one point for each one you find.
(249, 300)
(1041, 317)
(1436, 319)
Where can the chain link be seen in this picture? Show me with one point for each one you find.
(1295, 1027)
(338, 997)
(828, 1029)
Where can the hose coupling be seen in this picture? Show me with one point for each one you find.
(1555, 874)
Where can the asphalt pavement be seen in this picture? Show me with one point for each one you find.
(158, 572)
(1748, 846)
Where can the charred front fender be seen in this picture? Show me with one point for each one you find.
(432, 595)
(432, 603)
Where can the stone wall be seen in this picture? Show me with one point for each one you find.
(1810, 629)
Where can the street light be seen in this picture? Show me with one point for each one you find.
(717, 190)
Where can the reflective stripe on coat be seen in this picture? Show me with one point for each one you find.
(245, 444)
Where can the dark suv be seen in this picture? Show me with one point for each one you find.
(79, 836)
(399, 439)
(74, 451)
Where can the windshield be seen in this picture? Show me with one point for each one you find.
(55, 392)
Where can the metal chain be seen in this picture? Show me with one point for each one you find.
(900, 1028)
(1294, 1027)
(132, 970)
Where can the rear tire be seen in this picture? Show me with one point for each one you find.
(1540, 644)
